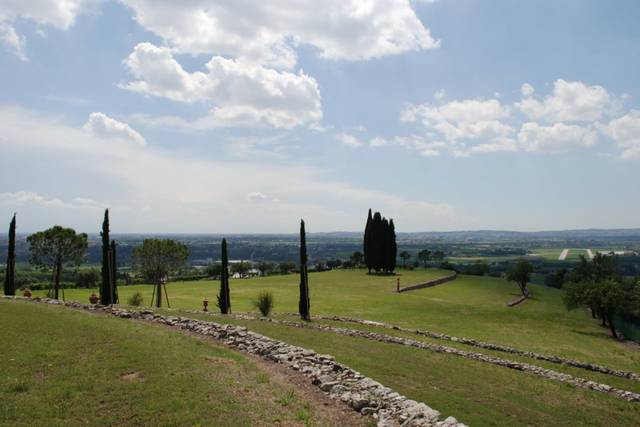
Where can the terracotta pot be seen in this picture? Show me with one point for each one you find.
(93, 299)
(27, 293)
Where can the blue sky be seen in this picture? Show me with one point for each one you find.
(242, 117)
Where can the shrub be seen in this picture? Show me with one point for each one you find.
(136, 299)
(264, 302)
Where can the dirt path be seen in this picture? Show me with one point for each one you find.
(589, 253)
(563, 255)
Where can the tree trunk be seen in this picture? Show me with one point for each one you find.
(56, 285)
(611, 326)
(158, 294)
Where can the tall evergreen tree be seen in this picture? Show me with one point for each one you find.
(224, 299)
(114, 273)
(303, 304)
(367, 242)
(10, 273)
(386, 246)
(376, 249)
(106, 270)
(394, 246)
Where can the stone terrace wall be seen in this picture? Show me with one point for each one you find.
(430, 283)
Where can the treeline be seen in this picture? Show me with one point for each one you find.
(599, 286)
(380, 247)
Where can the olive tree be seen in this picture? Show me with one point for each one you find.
(521, 274)
(157, 259)
(55, 248)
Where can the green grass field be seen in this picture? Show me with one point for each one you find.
(471, 306)
(64, 367)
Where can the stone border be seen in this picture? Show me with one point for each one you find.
(520, 366)
(489, 346)
(430, 283)
(340, 382)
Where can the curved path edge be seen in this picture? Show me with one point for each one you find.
(340, 382)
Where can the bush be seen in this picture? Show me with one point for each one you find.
(136, 299)
(264, 302)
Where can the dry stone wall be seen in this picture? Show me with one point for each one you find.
(340, 382)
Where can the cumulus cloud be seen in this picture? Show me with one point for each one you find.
(194, 194)
(462, 122)
(625, 131)
(102, 125)
(17, 199)
(240, 93)
(556, 138)
(14, 42)
(569, 101)
(269, 32)
(58, 14)
(413, 142)
(349, 140)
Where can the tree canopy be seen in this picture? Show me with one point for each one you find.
(520, 273)
(55, 248)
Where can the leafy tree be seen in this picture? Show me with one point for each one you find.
(479, 268)
(356, 258)
(405, 257)
(286, 267)
(438, 256)
(521, 274)
(424, 256)
(224, 297)
(241, 268)
(87, 279)
(555, 279)
(55, 248)
(214, 270)
(157, 259)
(10, 271)
(303, 304)
(265, 267)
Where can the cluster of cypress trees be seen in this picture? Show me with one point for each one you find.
(10, 272)
(224, 297)
(303, 304)
(108, 286)
(380, 248)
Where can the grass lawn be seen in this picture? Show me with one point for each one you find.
(470, 306)
(475, 393)
(63, 367)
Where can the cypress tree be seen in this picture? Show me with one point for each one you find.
(303, 304)
(386, 246)
(114, 273)
(224, 300)
(10, 273)
(394, 246)
(367, 242)
(376, 248)
(105, 286)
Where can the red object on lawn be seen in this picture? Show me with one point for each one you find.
(205, 304)
(27, 293)
(93, 299)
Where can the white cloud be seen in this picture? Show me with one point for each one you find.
(240, 93)
(350, 140)
(570, 101)
(181, 193)
(439, 95)
(269, 32)
(625, 131)
(556, 138)
(413, 142)
(20, 199)
(14, 42)
(102, 125)
(527, 89)
(55, 13)
(461, 122)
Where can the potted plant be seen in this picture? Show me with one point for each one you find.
(27, 293)
(93, 299)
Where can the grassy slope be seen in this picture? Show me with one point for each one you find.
(475, 393)
(64, 368)
(470, 306)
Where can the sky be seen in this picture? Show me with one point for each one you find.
(245, 116)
